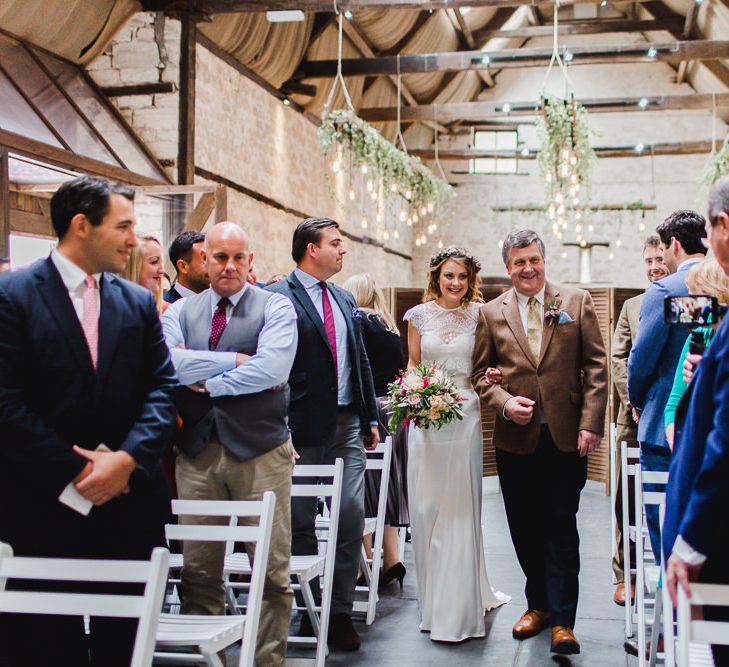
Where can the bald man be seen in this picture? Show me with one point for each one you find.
(233, 346)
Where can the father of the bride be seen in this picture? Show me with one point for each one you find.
(551, 402)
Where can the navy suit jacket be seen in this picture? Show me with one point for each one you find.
(172, 296)
(313, 379)
(51, 398)
(654, 357)
(697, 497)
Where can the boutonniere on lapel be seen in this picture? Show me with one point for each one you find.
(552, 312)
(356, 313)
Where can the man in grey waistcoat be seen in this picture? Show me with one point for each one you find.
(233, 346)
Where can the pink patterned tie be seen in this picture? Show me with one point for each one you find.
(90, 321)
(219, 322)
(329, 321)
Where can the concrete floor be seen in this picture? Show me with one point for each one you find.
(394, 640)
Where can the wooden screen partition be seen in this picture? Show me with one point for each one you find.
(608, 302)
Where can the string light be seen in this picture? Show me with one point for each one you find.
(506, 108)
(652, 52)
(364, 169)
(364, 223)
(402, 216)
(351, 195)
(396, 234)
(643, 102)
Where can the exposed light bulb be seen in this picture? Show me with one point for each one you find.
(641, 227)
(364, 169)
(409, 222)
(485, 60)
(351, 195)
(336, 166)
(591, 228)
(396, 234)
(430, 207)
(506, 108)
(652, 52)
(639, 148)
(393, 187)
(525, 152)
(583, 243)
(386, 235)
(440, 244)
(568, 56)
(364, 223)
(378, 217)
(643, 102)
(348, 15)
(618, 243)
(287, 101)
(402, 216)
(415, 217)
(370, 185)
(611, 255)
(564, 254)
(408, 194)
(423, 210)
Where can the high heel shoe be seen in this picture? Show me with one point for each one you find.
(397, 571)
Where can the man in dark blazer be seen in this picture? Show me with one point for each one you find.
(653, 359)
(86, 387)
(186, 256)
(695, 531)
(333, 410)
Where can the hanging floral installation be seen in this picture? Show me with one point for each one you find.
(397, 171)
(565, 161)
(390, 174)
(717, 166)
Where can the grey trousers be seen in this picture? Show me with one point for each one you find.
(347, 445)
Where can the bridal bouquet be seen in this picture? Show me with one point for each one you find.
(425, 396)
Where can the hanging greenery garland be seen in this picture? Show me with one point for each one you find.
(409, 176)
(565, 159)
(717, 166)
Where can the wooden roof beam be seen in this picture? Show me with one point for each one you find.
(678, 148)
(490, 111)
(671, 52)
(231, 6)
(602, 26)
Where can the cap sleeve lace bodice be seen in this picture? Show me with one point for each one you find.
(443, 323)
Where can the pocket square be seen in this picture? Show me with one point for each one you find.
(564, 318)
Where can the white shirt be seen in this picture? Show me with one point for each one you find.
(687, 553)
(183, 291)
(688, 262)
(344, 369)
(523, 301)
(268, 367)
(74, 278)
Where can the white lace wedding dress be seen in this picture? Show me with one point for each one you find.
(444, 489)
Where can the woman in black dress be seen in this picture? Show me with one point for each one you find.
(384, 350)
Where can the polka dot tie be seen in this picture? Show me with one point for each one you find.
(219, 321)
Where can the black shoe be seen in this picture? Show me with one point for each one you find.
(397, 571)
(631, 647)
(305, 629)
(342, 636)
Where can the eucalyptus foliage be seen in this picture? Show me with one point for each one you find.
(393, 166)
(563, 126)
(717, 166)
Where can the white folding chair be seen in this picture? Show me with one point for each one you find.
(613, 487)
(695, 636)
(665, 611)
(145, 607)
(204, 636)
(377, 459)
(647, 574)
(627, 472)
(305, 569)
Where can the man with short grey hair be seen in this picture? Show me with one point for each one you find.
(545, 340)
(233, 346)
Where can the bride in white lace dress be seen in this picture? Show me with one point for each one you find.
(445, 466)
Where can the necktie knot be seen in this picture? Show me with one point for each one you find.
(90, 282)
(322, 284)
(532, 301)
(223, 303)
(220, 320)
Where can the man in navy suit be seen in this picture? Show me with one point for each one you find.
(695, 531)
(186, 256)
(333, 410)
(655, 355)
(86, 409)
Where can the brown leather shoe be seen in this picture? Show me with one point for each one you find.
(563, 641)
(531, 623)
(619, 596)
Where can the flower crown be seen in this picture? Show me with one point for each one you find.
(454, 251)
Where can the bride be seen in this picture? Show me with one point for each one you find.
(445, 466)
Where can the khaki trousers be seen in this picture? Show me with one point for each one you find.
(215, 474)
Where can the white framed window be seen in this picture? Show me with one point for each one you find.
(495, 140)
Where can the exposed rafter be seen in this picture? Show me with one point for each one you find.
(678, 148)
(228, 6)
(593, 27)
(490, 111)
(671, 52)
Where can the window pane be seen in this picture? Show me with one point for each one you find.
(484, 140)
(101, 117)
(506, 166)
(17, 116)
(484, 165)
(506, 140)
(25, 250)
(51, 103)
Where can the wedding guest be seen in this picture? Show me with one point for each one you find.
(624, 335)
(232, 346)
(333, 410)
(546, 340)
(252, 279)
(654, 357)
(186, 256)
(5, 264)
(146, 268)
(82, 362)
(695, 531)
(384, 350)
(706, 277)
(276, 278)
(445, 465)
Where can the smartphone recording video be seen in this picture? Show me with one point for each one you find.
(694, 310)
